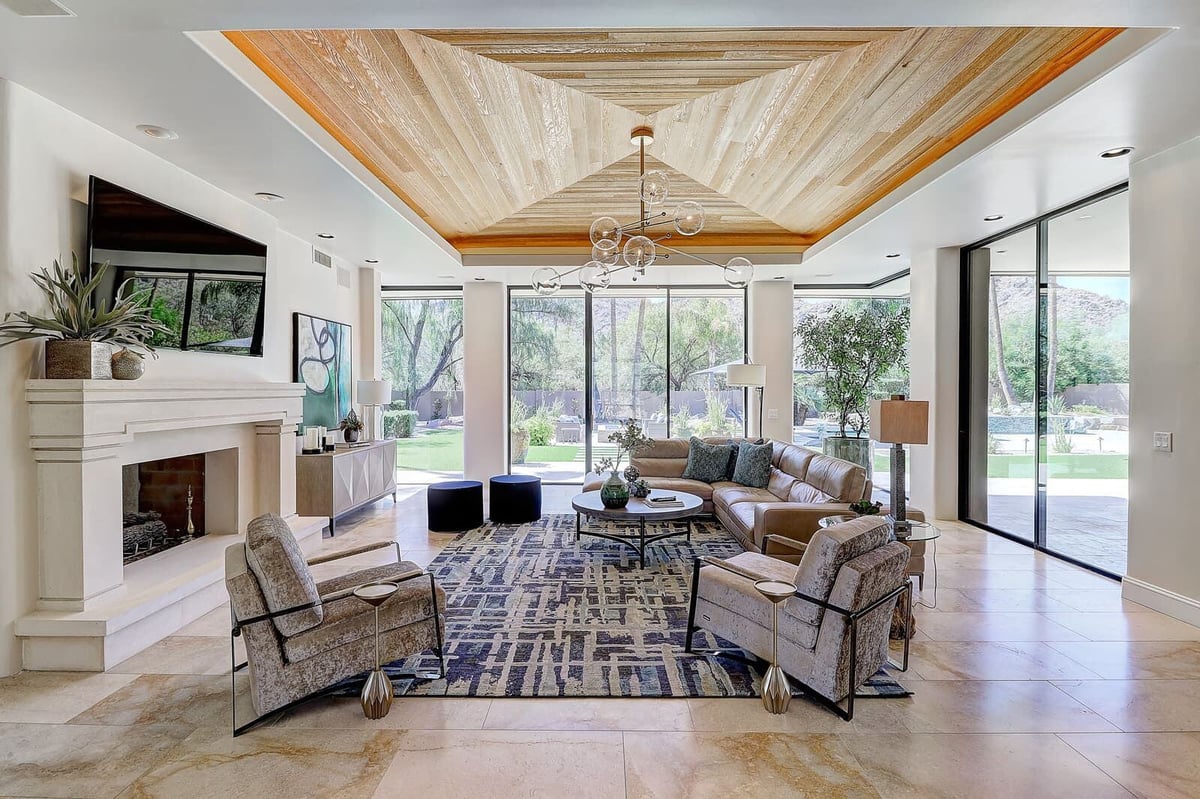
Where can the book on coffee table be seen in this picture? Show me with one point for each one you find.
(665, 502)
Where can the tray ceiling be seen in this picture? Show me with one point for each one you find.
(508, 141)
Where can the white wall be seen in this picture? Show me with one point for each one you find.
(46, 156)
(770, 309)
(485, 380)
(1164, 548)
(933, 376)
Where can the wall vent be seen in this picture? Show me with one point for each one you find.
(322, 258)
(343, 277)
(37, 8)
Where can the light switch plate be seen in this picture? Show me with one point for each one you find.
(1164, 442)
(772, 413)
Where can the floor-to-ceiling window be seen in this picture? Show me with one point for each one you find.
(581, 364)
(813, 418)
(1046, 389)
(422, 357)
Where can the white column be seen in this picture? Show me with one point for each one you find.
(933, 376)
(1164, 549)
(485, 361)
(370, 317)
(276, 469)
(770, 310)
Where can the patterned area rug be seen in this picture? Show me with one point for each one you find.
(533, 613)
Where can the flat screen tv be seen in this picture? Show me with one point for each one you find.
(205, 283)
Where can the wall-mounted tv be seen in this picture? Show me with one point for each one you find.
(205, 283)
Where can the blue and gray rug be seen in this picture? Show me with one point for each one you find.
(533, 613)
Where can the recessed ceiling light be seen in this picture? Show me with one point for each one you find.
(1084, 217)
(993, 217)
(1116, 152)
(892, 255)
(158, 132)
(480, 279)
(371, 260)
(324, 235)
(268, 196)
(823, 274)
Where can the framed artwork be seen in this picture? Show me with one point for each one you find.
(322, 355)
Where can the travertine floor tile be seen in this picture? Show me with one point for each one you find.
(761, 765)
(56, 760)
(989, 660)
(1142, 705)
(407, 713)
(1127, 626)
(1163, 765)
(54, 697)
(500, 764)
(186, 699)
(979, 767)
(1136, 660)
(998, 600)
(1102, 600)
(589, 714)
(803, 716)
(981, 626)
(180, 654)
(215, 623)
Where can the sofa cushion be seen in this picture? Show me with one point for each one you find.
(702, 490)
(753, 464)
(274, 557)
(794, 460)
(826, 553)
(842, 480)
(707, 462)
(730, 494)
(803, 492)
(780, 484)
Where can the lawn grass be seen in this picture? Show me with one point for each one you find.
(441, 450)
(1063, 466)
(554, 453)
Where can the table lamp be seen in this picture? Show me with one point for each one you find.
(749, 375)
(899, 421)
(371, 395)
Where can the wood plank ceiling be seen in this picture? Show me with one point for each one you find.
(514, 140)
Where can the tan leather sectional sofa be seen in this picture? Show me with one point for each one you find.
(804, 487)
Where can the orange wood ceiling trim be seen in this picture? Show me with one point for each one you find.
(581, 244)
(1088, 43)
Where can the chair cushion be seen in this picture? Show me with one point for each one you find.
(707, 462)
(753, 464)
(738, 595)
(350, 620)
(826, 553)
(803, 492)
(274, 557)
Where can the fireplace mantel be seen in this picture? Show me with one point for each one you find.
(82, 432)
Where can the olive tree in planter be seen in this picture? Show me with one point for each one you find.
(81, 329)
(852, 349)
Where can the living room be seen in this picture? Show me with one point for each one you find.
(639, 400)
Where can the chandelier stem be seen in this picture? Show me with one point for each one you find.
(642, 174)
(694, 257)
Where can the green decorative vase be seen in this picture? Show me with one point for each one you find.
(613, 492)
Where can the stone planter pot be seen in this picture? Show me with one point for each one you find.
(128, 365)
(855, 450)
(68, 359)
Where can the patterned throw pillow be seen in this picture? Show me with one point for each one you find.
(753, 467)
(707, 462)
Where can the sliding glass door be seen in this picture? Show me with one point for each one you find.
(1046, 383)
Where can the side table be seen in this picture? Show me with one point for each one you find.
(776, 693)
(377, 691)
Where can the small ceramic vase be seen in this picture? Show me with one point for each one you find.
(128, 365)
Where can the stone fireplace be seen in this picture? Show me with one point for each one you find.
(162, 504)
(99, 444)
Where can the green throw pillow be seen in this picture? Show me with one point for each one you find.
(753, 466)
(707, 462)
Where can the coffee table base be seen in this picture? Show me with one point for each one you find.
(639, 542)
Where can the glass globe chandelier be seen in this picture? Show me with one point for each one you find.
(617, 247)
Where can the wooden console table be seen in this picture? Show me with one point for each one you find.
(332, 484)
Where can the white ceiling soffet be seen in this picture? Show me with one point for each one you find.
(120, 63)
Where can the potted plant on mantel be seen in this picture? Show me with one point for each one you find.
(81, 330)
(630, 439)
(853, 349)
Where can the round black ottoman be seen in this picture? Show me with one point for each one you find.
(455, 505)
(515, 498)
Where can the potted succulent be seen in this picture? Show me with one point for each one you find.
(630, 439)
(81, 329)
(351, 427)
(853, 349)
(865, 507)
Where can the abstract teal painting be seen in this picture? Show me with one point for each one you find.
(323, 364)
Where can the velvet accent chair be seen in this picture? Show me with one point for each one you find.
(304, 637)
(833, 634)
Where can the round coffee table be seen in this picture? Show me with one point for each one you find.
(642, 510)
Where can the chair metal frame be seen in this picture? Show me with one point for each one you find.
(853, 616)
(347, 593)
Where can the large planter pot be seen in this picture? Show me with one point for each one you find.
(614, 493)
(78, 360)
(518, 445)
(855, 450)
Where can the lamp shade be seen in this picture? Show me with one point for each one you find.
(374, 392)
(746, 374)
(900, 421)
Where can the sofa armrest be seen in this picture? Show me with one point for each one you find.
(795, 520)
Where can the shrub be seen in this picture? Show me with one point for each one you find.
(399, 424)
(681, 423)
(541, 424)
